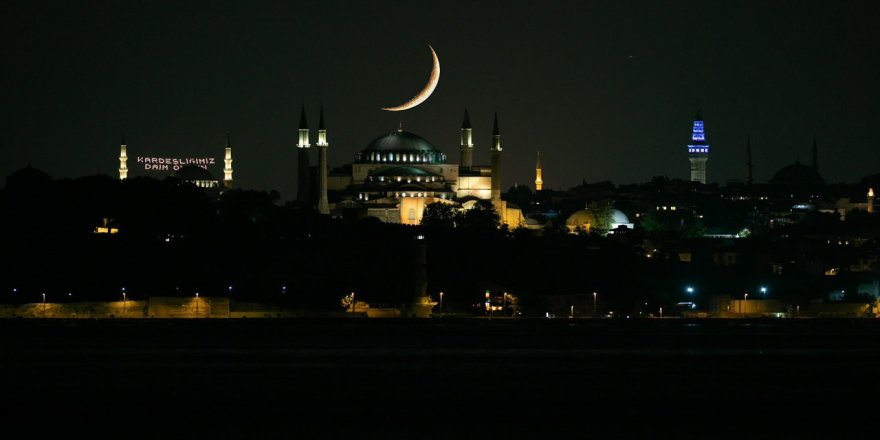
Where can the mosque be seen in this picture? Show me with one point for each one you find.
(398, 174)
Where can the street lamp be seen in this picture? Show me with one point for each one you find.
(764, 291)
(504, 304)
(229, 289)
(690, 289)
(661, 312)
(594, 304)
(44, 305)
(353, 304)
(197, 304)
(745, 300)
(571, 312)
(123, 302)
(441, 301)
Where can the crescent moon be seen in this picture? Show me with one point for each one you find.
(426, 92)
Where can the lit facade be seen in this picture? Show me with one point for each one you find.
(398, 174)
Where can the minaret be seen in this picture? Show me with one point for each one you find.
(815, 155)
(870, 204)
(698, 151)
(467, 143)
(539, 183)
(123, 160)
(323, 205)
(749, 161)
(227, 164)
(302, 147)
(496, 163)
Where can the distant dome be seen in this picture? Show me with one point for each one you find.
(797, 174)
(401, 147)
(192, 173)
(28, 177)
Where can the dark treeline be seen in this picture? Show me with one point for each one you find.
(176, 239)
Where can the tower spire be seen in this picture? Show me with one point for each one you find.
(323, 204)
(539, 182)
(227, 164)
(749, 160)
(815, 155)
(496, 165)
(123, 159)
(303, 192)
(467, 142)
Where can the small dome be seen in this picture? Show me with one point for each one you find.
(618, 217)
(582, 218)
(192, 173)
(400, 147)
(797, 174)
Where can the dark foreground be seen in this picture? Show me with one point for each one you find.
(440, 379)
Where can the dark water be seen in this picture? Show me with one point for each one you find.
(441, 379)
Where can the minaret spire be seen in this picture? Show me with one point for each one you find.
(496, 164)
(123, 159)
(227, 164)
(467, 142)
(815, 155)
(539, 182)
(323, 204)
(303, 178)
(749, 160)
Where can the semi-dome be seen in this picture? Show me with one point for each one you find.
(797, 174)
(401, 147)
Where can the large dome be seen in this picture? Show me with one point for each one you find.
(401, 147)
(797, 174)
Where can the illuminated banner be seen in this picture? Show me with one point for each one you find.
(173, 163)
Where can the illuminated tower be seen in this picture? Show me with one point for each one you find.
(467, 143)
(123, 160)
(749, 161)
(870, 204)
(698, 151)
(323, 205)
(227, 164)
(496, 163)
(302, 195)
(539, 183)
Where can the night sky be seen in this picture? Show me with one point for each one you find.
(605, 90)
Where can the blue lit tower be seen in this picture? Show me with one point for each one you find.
(698, 151)
(302, 148)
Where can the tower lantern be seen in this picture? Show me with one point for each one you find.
(698, 151)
